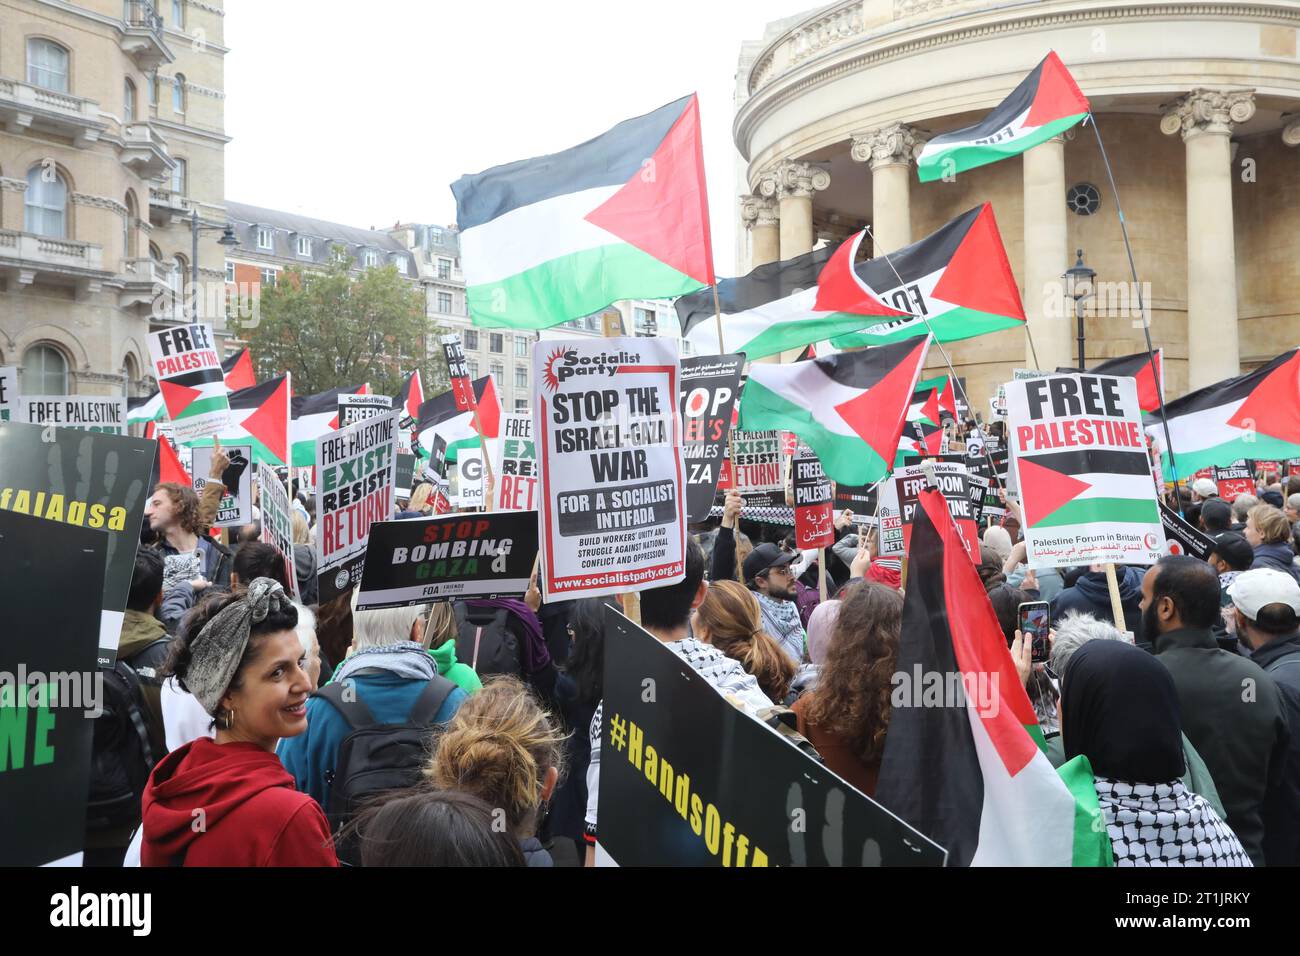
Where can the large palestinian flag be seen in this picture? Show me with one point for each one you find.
(448, 418)
(968, 769)
(1150, 384)
(1087, 484)
(316, 415)
(773, 309)
(623, 216)
(958, 278)
(259, 416)
(238, 370)
(1045, 104)
(1251, 416)
(848, 408)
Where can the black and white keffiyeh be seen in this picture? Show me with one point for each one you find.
(1165, 824)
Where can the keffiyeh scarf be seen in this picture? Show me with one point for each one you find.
(1165, 824)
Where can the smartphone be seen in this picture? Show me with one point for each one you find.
(1034, 623)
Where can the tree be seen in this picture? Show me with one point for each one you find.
(334, 328)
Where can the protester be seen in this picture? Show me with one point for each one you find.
(192, 561)
(1230, 709)
(504, 636)
(1090, 594)
(1231, 556)
(1016, 569)
(724, 560)
(306, 631)
(1292, 510)
(426, 828)
(1120, 709)
(820, 628)
(730, 620)
(1241, 506)
(240, 657)
(255, 559)
(304, 560)
(1216, 516)
(998, 541)
(440, 641)
(1269, 533)
(1204, 489)
(767, 574)
(578, 689)
(501, 747)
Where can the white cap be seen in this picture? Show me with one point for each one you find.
(1205, 487)
(1256, 589)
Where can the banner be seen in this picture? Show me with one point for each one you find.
(236, 507)
(106, 415)
(1081, 466)
(860, 499)
(89, 479)
(449, 558)
(462, 386)
(687, 779)
(814, 517)
(605, 415)
(757, 472)
(277, 521)
(360, 408)
(406, 466)
(516, 464)
(953, 483)
(356, 471)
(1182, 538)
(51, 591)
(710, 385)
(8, 392)
(1234, 481)
(187, 365)
(978, 487)
(469, 479)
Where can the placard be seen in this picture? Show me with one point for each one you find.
(469, 479)
(236, 507)
(757, 471)
(187, 365)
(710, 385)
(8, 393)
(360, 408)
(1182, 538)
(953, 483)
(277, 521)
(1234, 481)
(516, 464)
(814, 516)
(613, 518)
(89, 413)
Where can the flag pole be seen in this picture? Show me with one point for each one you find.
(1146, 326)
(731, 432)
(1038, 366)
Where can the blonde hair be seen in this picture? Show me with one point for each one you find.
(301, 530)
(743, 547)
(498, 747)
(1271, 524)
(441, 627)
(731, 615)
(420, 498)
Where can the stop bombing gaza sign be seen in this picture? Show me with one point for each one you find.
(1083, 473)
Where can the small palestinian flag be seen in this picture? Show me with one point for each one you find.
(773, 309)
(1045, 104)
(316, 415)
(623, 216)
(411, 397)
(259, 416)
(1252, 416)
(848, 408)
(947, 399)
(1087, 484)
(239, 374)
(239, 371)
(964, 758)
(442, 417)
(922, 432)
(958, 278)
(1150, 384)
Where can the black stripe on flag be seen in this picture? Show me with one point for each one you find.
(321, 402)
(1089, 461)
(1222, 393)
(766, 283)
(201, 377)
(920, 259)
(866, 368)
(1019, 100)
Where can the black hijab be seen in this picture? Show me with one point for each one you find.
(1119, 707)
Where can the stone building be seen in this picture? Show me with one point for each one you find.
(111, 138)
(1198, 104)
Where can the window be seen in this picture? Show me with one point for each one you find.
(521, 376)
(264, 238)
(128, 226)
(444, 304)
(178, 14)
(128, 102)
(646, 321)
(45, 203)
(304, 246)
(496, 342)
(230, 271)
(497, 373)
(400, 262)
(45, 371)
(268, 278)
(178, 93)
(521, 346)
(472, 365)
(471, 339)
(151, 88)
(521, 405)
(180, 177)
(593, 323)
(47, 65)
(444, 268)
(372, 258)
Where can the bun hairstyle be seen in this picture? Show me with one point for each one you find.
(731, 615)
(498, 747)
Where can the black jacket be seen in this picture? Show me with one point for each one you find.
(1281, 660)
(217, 564)
(1090, 594)
(1235, 717)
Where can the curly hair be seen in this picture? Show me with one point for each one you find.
(498, 747)
(731, 615)
(855, 683)
(185, 505)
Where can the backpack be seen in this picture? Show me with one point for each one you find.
(122, 756)
(486, 642)
(374, 757)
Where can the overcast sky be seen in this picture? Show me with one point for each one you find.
(365, 113)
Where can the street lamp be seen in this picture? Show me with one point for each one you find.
(227, 239)
(1078, 286)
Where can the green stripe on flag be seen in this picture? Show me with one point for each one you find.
(202, 406)
(1086, 510)
(952, 326)
(961, 157)
(795, 334)
(573, 286)
(1261, 447)
(1091, 841)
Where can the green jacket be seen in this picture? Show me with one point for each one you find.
(139, 630)
(462, 675)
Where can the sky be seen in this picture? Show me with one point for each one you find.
(365, 113)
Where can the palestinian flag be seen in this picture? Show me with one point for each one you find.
(775, 308)
(623, 216)
(848, 408)
(1086, 484)
(140, 411)
(1150, 384)
(238, 370)
(444, 417)
(1045, 104)
(958, 278)
(968, 769)
(1251, 416)
(922, 431)
(313, 416)
(411, 397)
(169, 463)
(944, 396)
(259, 416)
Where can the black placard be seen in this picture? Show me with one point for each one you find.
(1182, 538)
(709, 388)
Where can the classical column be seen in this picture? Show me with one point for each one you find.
(762, 218)
(792, 184)
(891, 151)
(1047, 256)
(1205, 118)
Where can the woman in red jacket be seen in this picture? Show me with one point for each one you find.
(229, 802)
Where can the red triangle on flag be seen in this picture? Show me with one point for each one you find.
(177, 398)
(1273, 408)
(841, 289)
(489, 408)
(241, 373)
(169, 465)
(870, 414)
(1043, 491)
(1057, 96)
(663, 210)
(1148, 387)
(978, 276)
(414, 395)
(269, 424)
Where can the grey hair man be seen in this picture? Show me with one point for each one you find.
(1293, 509)
(1241, 506)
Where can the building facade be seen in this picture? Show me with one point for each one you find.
(111, 139)
(1198, 103)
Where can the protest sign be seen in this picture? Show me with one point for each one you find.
(452, 557)
(890, 521)
(516, 466)
(1079, 454)
(978, 487)
(187, 365)
(469, 479)
(462, 385)
(756, 472)
(236, 507)
(406, 465)
(1234, 480)
(860, 499)
(687, 779)
(83, 478)
(613, 516)
(814, 517)
(953, 482)
(51, 592)
(357, 468)
(1292, 467)
(277, 521)
(8, 392)
(1270, 471)
(710, 385)
(360, 408)
(1182, 538)
(88, 413)
(789, 442)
